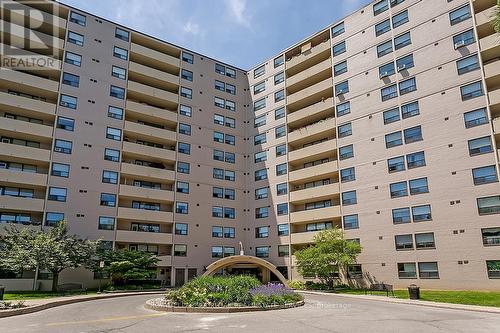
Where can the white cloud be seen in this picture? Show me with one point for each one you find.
(191, 27)
(237, 10)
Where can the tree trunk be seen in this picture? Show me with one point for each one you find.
(55, 280)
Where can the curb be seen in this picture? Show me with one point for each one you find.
(40, 307)
(187, 309)
(450, 306)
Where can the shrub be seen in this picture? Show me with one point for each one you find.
(273, 294)
(295, 284)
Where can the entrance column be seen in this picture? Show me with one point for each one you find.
(266, 275)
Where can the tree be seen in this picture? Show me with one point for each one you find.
(496, 18)
(330, 255)
(53, 250)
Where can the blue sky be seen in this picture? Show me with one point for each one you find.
(239, 32)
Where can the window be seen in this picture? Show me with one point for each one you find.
(404, 242)
(460, 14)
(259, 104)
(491, 236)
(182, 187)
(382, 27)
(180, 250)
(283, 251)
(111, 155)
(73, 59)
(57, 194)
(181, 207)
(386, 70)
(380, 7)
(259, 87)
(110, 177)
(217, 252)
(280, 150)
(261, 212)
(278, 78)
(259, 139)
(467, 64)
(342, 88)
(338, 29)
(279, 113)
(489, 205)
(464, 39)
(220, 69)
(229, 139)
(413, 134)
(184, 148)
(183, 167)
(389, 92)
(349, 198)
(262, 251)
(115, 112)
(279, 61)
(281, 189)
(402, 41)
(421, 213)
(113, 133)
(476, 118)
(340, 68)
(217, 212)
(280, 132)
(184, 129)
(480, 146)
(68, 101)
(428, 270)
(407, 270)
(410, 110)
(230, 157)
(51, 218)
(185, 110)
(230, 73)
(121, 34)
(187, 75)
(230, 105)
(405, 62)
(108, 199)
(351, 222)
(398, 190)
(17, 192)
(407, 86)
(230, 122)
(484, 175)
(259, 121)
(217, 232)
(229, 232)
(384, 48)
(425, 241)
(261, 193)
(75, 38)
(260, 156)
(259, 71)
(344, 130)
(354, 271)
(106, 223)
(282, 229)
(77, 18)
(493, 268)
(343, 109)
(66, 124)
(471, 90)
(229, 213)
(393, 139)
(260, 174)
(261, 232)
(346, 152)
(281, 169)
(401, 215)
(63, 146)
(391, 115)
(120, 53)
(71, 79)
(117, 92)
(186, 92)
(219, 85)
(415, 160)
(218, 119)
(347, 175)
(181, 229)
(60, 170)
(400, 19)
(396, 164)
(418, 186)
(187, 57)
(279, 95)
(339, 48)
(282, 209)
(217, 192)
(229, 175)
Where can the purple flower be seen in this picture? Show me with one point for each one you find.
(271, 289)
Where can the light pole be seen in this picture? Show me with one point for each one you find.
(101, 266)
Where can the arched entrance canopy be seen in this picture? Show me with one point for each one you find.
(264, 265)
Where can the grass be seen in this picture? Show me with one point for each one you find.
(484, 298)
(28, 295)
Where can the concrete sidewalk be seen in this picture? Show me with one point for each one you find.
(453, 306)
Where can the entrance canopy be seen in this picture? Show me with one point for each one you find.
(242, 261)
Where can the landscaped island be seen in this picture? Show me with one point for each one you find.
(227, 292)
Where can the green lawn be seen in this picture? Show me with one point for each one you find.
(27, 295)
(484, 298)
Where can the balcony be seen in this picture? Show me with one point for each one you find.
(150, 133)
(165, 261)
(310, 95)
(152, 77)
(316, 172)
(480, 5)
(490, 47)
(20, 178)
(312, 215)
(317, 193)
(24, 153)
(483, 21)
(129, 236)
(303, 237)
(309, 57)
(315, 112)
(151, 95)
(147, 173)
(21, 204)
(29, 84)
(496, 125)
(18, 56)
(313, 74)
(148, 56)
(494, 97)
(28, 131)
(138, 151)
(147, 194)
(312, 132)
(40, 42)
(492, 73)
(31, 106)
(151, 113)
(315, 152)
(133, 214)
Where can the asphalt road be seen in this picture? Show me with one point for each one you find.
(322, 313)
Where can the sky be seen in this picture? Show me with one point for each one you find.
(242, 33)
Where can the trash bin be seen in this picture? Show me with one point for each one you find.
(414, 291)
(2, 290)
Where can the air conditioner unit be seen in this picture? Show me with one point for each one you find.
(401, 67)
(340, 92)
(459, 44)
(384, 74)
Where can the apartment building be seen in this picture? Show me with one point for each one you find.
(385, 124)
